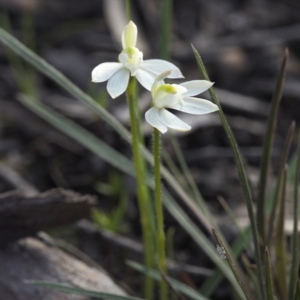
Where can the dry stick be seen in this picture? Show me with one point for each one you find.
(267, 149)
(242, 176)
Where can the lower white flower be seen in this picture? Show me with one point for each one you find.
(178, 97)
(131, 63)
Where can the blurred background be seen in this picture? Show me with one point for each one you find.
(242, 44)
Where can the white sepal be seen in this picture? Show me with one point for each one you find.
(172, 121)
(152, 117)
(145, 78)
(196, 106)
(158, 66)
(196, 87)
(118, 83)
(105, 70)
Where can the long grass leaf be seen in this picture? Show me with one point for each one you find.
(80, 291)
(237, 275)
(295, 239)
(181, 287)
(80, 134)
(241, 172)
(187, 173)
(277, 195)
(280, 263)
(238, 245)
(267, 148)
(269, 277)
(165, 32)
(200, 239)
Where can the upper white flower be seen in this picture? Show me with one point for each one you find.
(131, 62)
(177, 97)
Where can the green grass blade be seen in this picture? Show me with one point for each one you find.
(200, 239)
(277, 195)
(187, 174)
(79, 291)
(237, 274)
(24, 77)
(280, 263)
(295, 239)
(267, 148)
(210, 284)
(61, 80)
(165, 32)
(174, 169)
(230, 214)
(238, 245)
(298, 290)
(181, 287)
(269, 277)
(241, 172)
(80, 134)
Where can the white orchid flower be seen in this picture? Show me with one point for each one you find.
(178, 97)
(131, 63)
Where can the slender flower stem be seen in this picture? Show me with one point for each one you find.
(160, 236)
(142, 193)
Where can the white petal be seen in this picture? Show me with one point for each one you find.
(118, 83)
(196, 106)
(158, 66)
(129, 35)
(172, 121)
(105, 70)
(196, 87)
(145, 78)
(152, 117)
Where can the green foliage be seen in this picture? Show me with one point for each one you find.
(112, 220)
(275, 269)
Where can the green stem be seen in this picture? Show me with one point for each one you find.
(160, 236)
(142, 193)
